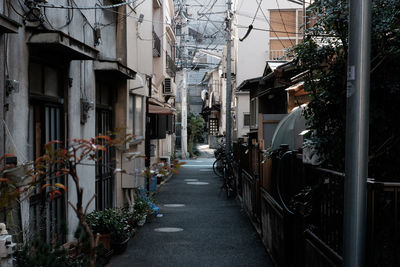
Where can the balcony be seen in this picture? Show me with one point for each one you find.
(156, 45)
(278, 55)
(171, 68)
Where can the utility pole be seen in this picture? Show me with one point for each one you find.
(228, 127)
(357, 120)
(184, 114)
(184, 96)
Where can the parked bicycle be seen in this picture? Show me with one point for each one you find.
(223, 169)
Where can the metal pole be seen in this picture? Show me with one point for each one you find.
(357, 119)
(228, 83)
(184, 115)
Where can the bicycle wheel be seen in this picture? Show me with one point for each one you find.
(229, 183)
(218, 168)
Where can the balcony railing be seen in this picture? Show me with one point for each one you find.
(278, 55)
(156, 45)
(171, 68)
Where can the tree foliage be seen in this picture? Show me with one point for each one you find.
(323, 58)
(195, 131)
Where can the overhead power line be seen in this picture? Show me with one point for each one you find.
(251, 24)
(266, 30)
(87, 7)
(284, 26)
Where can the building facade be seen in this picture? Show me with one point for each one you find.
(78, 70)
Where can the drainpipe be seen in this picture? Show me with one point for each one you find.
(147, 132)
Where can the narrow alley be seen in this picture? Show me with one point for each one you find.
(199, 226)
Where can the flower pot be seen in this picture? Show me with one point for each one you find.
(72, 249)
(142, 221)
(150, 217)
(120, 247)
(105, 239)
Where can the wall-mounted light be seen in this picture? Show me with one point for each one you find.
(86, 106)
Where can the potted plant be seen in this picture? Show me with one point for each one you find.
(141, 209)
(114, 228)
(99, 222)
(122, 231)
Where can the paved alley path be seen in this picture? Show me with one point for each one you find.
(216, 232)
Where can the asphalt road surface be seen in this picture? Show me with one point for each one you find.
(199, 226)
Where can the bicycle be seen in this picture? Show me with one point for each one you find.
(218, 165)
(228, 179)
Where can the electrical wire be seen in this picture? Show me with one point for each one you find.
(251, 24)
(266, 30)
(266, 19)
(284, 26)
(215, 1)
(70, 18)
(87, 7)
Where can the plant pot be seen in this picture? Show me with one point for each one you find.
(105, 239)
(142, 221)
(150, 217)
(72, 249)
(120, 247)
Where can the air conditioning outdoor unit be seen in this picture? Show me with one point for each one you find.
(167, 86)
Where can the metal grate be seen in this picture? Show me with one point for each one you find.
(213, 126)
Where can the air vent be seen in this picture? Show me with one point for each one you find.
(167, 86)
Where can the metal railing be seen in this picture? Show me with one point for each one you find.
(278, 55)
(156, 45)
(383, 236)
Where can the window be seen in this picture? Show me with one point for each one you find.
(246, 119)
(170, 123)
(136, 114)
(253, 112)
(158, 126)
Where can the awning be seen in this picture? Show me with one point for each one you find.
(60, 44)
(114, 68)
(154, 109)
(8, 25)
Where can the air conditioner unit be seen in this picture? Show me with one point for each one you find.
(167, 86)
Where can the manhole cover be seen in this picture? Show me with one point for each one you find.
(174, 205)
(191, 180)
(168, 229)
(197, 183)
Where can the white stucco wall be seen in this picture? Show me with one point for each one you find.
(253, 51)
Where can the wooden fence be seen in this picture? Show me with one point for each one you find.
(299, 209)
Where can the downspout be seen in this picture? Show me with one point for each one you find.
(147, 133)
